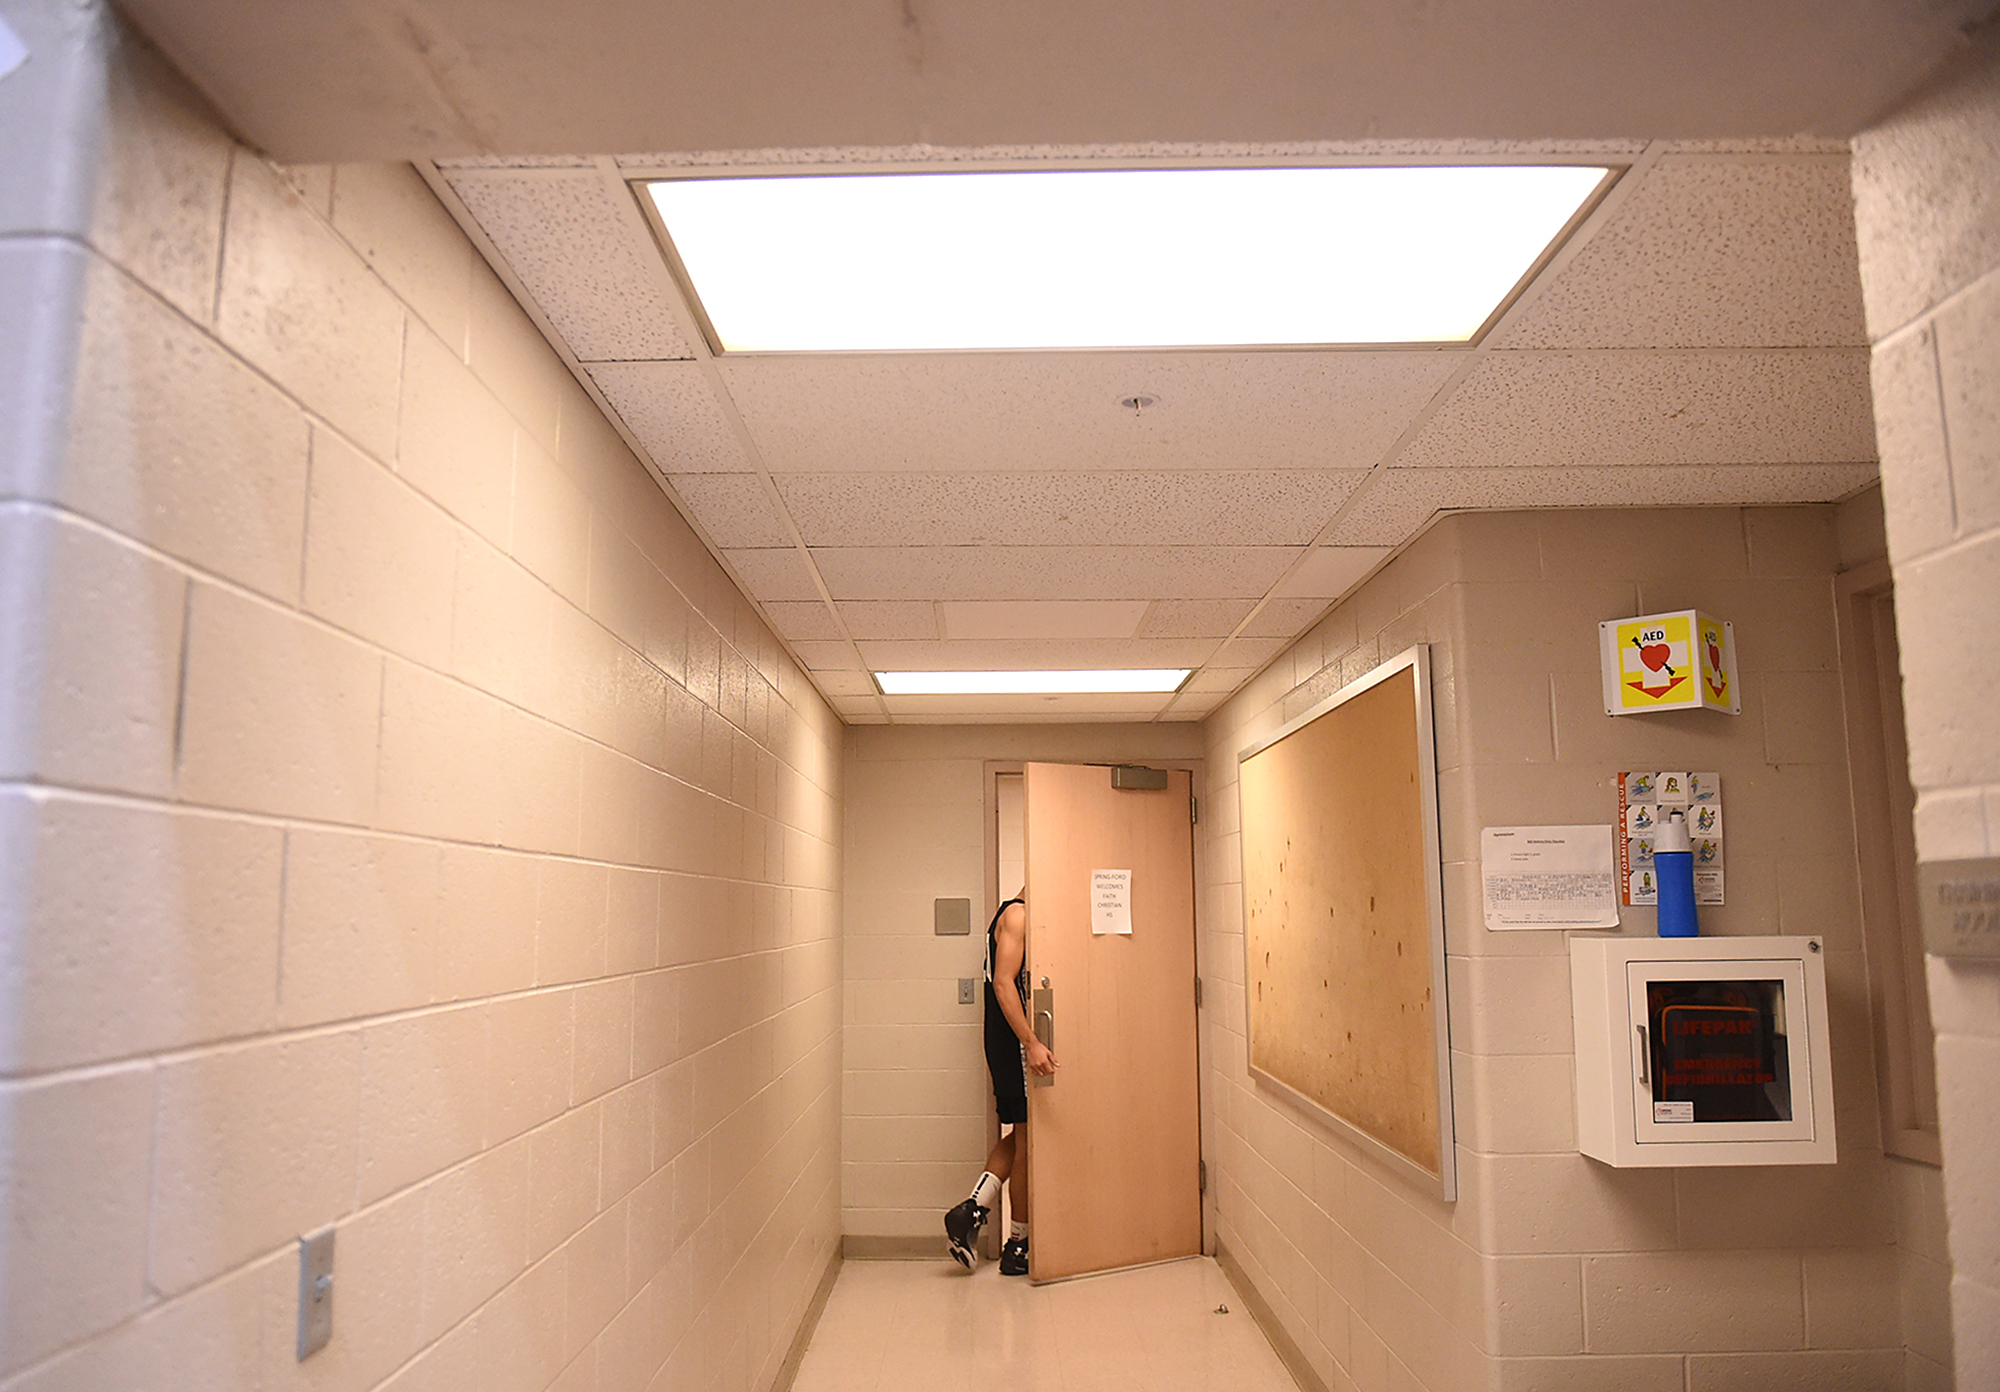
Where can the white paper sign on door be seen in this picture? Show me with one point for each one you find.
(1110, 902)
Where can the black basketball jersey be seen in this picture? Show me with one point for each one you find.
(992, 952)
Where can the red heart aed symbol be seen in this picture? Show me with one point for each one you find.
(1654, 655)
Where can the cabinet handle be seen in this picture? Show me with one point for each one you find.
(1645, 1053)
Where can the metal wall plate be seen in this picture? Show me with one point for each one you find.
(315, 1292)
(1959, 904)
(951, 918)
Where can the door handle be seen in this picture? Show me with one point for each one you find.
(1645, 1052)
(1045, 1027)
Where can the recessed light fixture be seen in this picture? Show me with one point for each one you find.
(1148, 258)
(1117, 681)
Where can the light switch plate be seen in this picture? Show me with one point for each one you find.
(965, 988)
(315, 1292)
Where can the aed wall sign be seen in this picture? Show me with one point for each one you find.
(1683, 660)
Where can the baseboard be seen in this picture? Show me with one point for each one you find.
(788, 1371)
(856, 1247)
(1260, 1310)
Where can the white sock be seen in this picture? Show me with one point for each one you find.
(986, 1193)
(1018, 1231)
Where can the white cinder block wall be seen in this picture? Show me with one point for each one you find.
(1553, 1271)
(1929, 234)
(917, 1098)
(404, 824)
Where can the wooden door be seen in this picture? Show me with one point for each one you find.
(1114, 1144)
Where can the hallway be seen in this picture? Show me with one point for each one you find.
(417, 827)
(903, 1326)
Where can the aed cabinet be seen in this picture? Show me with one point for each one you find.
(1702, 1051)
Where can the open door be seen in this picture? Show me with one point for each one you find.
(1114, 1142)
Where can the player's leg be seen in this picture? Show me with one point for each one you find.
(1014, 1254)
(964, 1221)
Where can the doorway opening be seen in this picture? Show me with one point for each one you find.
(1128, 1004)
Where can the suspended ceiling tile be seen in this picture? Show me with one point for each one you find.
(1031, 652)
(733, 508)
(1396, 503)
(1193, 618)
(1216, 681)
(1712, 252)
(517, 162)
(1251, 652)
(1331, 571)
(1285, 618)
(802, 621)
(845, 682)
(773, 574)
(907, 619)
(1047, 572)
(821, 656)
(1651, 408)
(1759, 145)
(671, 410)
(585, 261)
(1054, 411)
(1048, 618)
(1179, 508)
(858, 710)
(1138, 152)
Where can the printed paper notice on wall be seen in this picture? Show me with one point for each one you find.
(1110, 902)
(1548, 877)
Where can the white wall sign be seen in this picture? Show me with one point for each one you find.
(1110, 902)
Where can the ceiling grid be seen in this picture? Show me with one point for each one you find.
(1696, 340)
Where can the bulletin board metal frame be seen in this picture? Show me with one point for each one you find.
(1292, 920)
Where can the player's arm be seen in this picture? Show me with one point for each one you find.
(1010, 948)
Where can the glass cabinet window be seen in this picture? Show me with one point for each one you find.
(1719, 1050)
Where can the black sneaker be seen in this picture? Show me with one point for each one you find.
(1014, 1257)
(961, 1227)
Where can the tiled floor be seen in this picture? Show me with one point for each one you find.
(928, 1327)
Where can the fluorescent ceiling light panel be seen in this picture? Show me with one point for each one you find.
(1030, 683)
(1114, 258)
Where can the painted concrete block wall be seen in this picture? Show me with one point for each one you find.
(404, 823)
(1917, 1189)
(1551, 1270)
(916, 1098)
(1929, 234)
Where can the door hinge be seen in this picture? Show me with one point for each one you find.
(1201, 1176)
(1197, 993)
(1194, 810)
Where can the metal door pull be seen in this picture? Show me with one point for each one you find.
(1045, 1028)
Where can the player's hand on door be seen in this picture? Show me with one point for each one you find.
(1040, 1061)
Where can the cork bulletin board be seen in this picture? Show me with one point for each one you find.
(1343, 911)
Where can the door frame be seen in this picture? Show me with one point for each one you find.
(990, 775)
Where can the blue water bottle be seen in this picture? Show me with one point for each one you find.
(1673, 867)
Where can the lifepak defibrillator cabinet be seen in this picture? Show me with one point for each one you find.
(1702, 1051)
